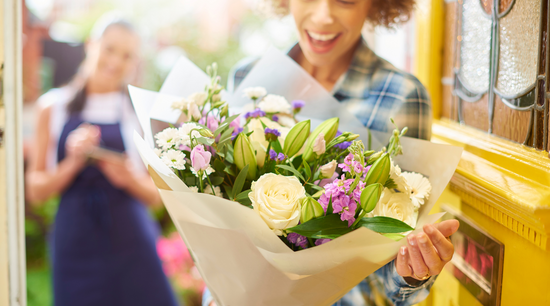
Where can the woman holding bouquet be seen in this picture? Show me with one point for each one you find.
(332, 50)
(104, 241)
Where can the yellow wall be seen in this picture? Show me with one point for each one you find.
(503, 187)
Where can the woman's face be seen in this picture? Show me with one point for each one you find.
(116, 54)
(328, 29)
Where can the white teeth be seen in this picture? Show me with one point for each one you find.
(321, 37)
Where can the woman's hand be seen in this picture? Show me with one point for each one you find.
(426, 253)
(80, 142)
(119, 172)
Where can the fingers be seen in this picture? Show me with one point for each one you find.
(402, 262)
(417, 262)
(431, 258)
(448, 227)
(444, 247)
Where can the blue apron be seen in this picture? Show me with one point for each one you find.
(104, 241)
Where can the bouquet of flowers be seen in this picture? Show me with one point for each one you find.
(288, 173)
(256, 196)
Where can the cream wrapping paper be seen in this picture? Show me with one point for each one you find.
(240, 259)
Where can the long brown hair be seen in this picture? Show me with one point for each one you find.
(80, 80)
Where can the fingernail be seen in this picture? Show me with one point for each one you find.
(422, 238)
(429, 229)
(411, 240)
(403, 250)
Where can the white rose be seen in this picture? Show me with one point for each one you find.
(274, 104)
(257, 139)
(277, 199)
(396, 205)
(254, 92)
(198, 98)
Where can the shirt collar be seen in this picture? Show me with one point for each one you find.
(363, 61)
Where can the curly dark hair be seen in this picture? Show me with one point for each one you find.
(386, 13)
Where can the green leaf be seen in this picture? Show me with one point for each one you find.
(189, 181)
(229, 170)
(390, 184)
(316, 187)
(243, 195)
(225, 124)
(381, 224)
(239, 181)
(307, 169)
(276, 145)
(294, 171)
(216, 180)
(370, 197)
(394, 236)
(330, 224)
(245, 202)
(218, 165)
(332, 233)
(330, 210)
(205, 141)
(228, 190)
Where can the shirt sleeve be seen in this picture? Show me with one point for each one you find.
(415, 112)
(398, 290)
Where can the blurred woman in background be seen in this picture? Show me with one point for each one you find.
(103, 241)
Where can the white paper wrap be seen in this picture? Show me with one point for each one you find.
(241, 260)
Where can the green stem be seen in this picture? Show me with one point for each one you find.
(209, 182)
(200, 181)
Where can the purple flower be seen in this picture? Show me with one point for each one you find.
(335, 189)
(271, 134)
(346, 207)
(347, 163)
(357, 167)
(322, 241)
(236, 132)
(338, 133)
(297, 105)
(281, 157)
(297, 240)
(272, 154)
(257, 113)
(356, 194)
(275, 118)
(343, 145)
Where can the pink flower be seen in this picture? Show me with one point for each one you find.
(346, 207)
(212, 123)
(200, 159)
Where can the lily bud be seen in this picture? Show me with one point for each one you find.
(244, 155)
(311, 209)
(328, 169)
(296, 138)
(206, 133)
(380, 171)
(225, 111)
(374, 157)
(329, 128)
(370, 196)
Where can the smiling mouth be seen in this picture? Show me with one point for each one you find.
(322, 43)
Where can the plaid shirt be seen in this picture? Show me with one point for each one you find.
(375, 91)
